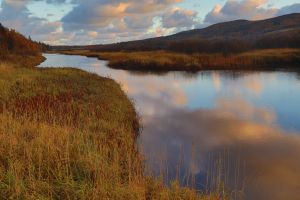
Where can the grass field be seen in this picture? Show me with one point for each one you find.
(68, 134)
(268, 59)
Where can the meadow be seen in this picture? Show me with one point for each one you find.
(266, 59)
(68, 134)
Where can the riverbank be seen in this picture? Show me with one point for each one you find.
(68, 134)
(21, 61)
(269, 59)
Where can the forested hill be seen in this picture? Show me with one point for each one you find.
(234, 36)
(12, 42)
(243, 28)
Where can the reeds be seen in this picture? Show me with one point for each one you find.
(67, 134)
(269, 59)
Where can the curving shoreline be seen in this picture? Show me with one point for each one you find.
(267, 59)
(72, 134)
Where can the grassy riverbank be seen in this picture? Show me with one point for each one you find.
(68, 134)
(20, 61)
(268, 59)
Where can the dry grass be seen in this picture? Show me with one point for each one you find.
(13, 60)
(68, 134)
(165, 61)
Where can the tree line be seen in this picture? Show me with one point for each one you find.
(230, 45)
(12, 42)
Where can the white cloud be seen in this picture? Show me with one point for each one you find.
(108, 21)
(179, 18)
(295, 8)
(124, 19)
(100, 14)
(14, 14)
(247, 9)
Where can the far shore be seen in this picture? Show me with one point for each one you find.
(266, 59)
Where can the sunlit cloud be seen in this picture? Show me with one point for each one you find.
(247, 9)
(217, 80)
(78, 21)
(236, 130)
(259, 150)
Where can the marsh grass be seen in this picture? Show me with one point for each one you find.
(68, 134)
(67, 131)
(221, 172)
(14, 60)
(268, 59)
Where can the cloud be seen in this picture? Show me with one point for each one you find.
(179, 18)
(101, 14)
(217, 80)
(93, 34)
(245, 9)
(258, 151)
(243, 110)
(295, 8)
(123, 20)
(14, 14)
(16, 4)
(55, 1)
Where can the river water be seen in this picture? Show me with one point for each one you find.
(214, 130)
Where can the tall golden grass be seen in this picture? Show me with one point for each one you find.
(267, 59)
(68, 134)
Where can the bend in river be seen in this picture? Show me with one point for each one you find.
(217, 129)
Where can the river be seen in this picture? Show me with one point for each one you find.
(214, 130)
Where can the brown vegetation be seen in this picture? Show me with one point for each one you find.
(12, 42)
(68, 134)
(225, 38)
(166, 61)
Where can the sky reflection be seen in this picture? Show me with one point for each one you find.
(210, 127)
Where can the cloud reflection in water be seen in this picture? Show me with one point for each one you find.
(231, 126)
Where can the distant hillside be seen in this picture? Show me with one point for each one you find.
(12, 42)
(228, 37)
(243, 28)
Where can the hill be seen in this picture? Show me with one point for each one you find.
(12, 42)
(17, 50)
(243, 28)
(228, 37)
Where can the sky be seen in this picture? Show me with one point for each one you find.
(77, 22)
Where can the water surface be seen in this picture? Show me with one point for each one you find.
(215, 129)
